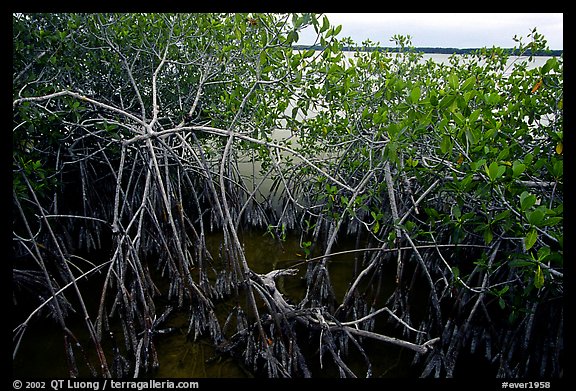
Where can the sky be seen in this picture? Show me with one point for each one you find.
(448, 30)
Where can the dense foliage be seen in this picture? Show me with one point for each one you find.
(128, 134)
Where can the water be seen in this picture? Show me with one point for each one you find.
(443, 58)
(537, 61)
(42, 351)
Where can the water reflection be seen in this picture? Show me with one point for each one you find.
(42, 352)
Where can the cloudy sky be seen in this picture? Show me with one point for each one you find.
(454, 30)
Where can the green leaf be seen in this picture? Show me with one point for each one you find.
(503, 290)
(456, 211)
(551, 63)
(335, 69)
(297, 20)
(415, 94)
(543, 252)
(558, 169)
(539, 278)
(292, 37)
(411, 163)
(535, 217)
(518, 168)
(392, 236)
(453, 81)
(455, 271)
(474, 116)
(503, 154)
(447, 101)
(390, 151)
(488, 236)
(495, 171)
(465, 183)
(502, 215)
(526, 200)
(501, 303)
(477, 165)
(325, 24)
(551, 221)
(468, 83)
(446, 144)
(393, 130)
(530, 239)
(337, 29)
(471, 136)
(492, 99)
(409, 225)
(520, 263)
(309, 53)
(459, 118)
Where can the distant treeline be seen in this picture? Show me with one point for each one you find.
(433, 50)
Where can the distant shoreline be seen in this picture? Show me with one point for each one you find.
(431, 50)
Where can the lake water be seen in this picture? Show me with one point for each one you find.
(537, 61)
(442, 58)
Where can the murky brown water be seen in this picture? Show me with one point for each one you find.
(42, 351)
